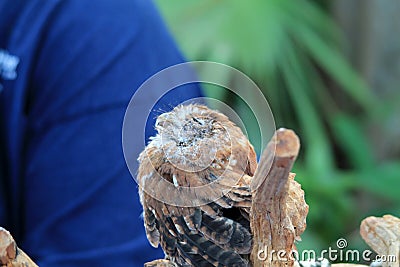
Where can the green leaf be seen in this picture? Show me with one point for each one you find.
(352, 138)
(319, 155)
(382, 180)
(335, 64)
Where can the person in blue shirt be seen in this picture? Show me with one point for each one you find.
(68, 69)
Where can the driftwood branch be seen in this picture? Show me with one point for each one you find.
(383, 236)
(10, 254)
(278, 212)
(160, 263)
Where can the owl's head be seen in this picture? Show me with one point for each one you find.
(186, 125)
(193, 135)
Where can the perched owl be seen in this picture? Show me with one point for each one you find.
(194, 185)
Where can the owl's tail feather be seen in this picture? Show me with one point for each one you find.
(227, 233)
(202, 252)
(150, 222)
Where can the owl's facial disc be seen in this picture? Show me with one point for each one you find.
(191, 140)
(194, 130)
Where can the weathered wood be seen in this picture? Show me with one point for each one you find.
(278, 211)
(383, 236)
(160, 263)
(10, 254)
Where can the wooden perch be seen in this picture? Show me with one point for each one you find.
(160, 263)
(278, 212)
(383, 236)
(10, 254)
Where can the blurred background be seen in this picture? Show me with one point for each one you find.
(330, 70)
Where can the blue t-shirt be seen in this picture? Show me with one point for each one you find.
(67, 71)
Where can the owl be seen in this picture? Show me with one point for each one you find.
(194, 184)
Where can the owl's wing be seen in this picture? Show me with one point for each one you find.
(220, 230)
(214, 234)
(192, 237)
(151, 226)
(235, 179)
(235, 187)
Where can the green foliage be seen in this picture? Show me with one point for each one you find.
(292, 51)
